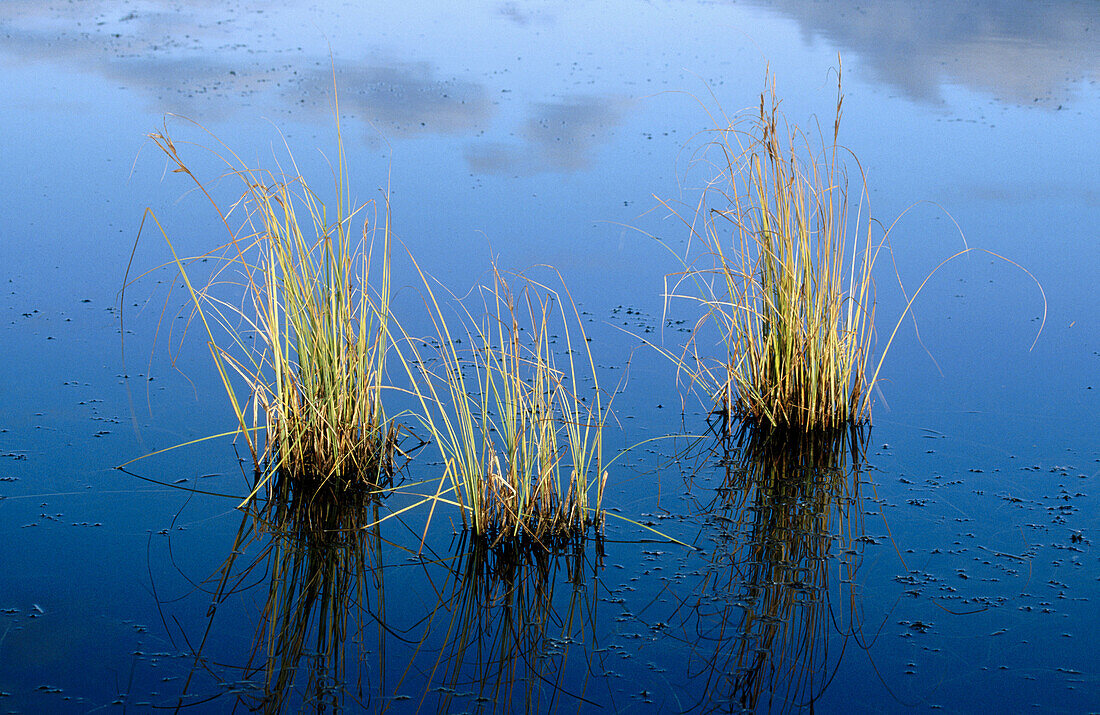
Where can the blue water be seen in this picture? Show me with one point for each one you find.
(545, 133)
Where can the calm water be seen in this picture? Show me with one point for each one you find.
(954, 568)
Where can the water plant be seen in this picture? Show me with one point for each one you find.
(520, 438)
(783, 276)
(297, 306)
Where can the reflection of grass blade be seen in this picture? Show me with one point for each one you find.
(508, 639)
(315, 560)
(789, 504)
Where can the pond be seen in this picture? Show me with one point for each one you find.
(944, 563)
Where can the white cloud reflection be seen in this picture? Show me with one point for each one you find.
(557, 136)
(1019, 51)
(209, 67)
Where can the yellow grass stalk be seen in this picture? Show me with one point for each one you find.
(784, 278)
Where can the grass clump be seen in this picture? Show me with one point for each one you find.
(520, 438)
(297, 307)
(783, 276)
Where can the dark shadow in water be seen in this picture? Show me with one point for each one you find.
(497, 640)
(767, 626)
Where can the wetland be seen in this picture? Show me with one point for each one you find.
(547, 168)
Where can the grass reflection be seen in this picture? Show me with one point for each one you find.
(497, 639)
(323, 575)
(508, 638)
(784, 522)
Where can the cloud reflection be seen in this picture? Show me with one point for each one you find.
(195, 66)
(558, 136)
(1019, 51)
(401, 99)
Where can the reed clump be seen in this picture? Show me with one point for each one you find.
(784, 276)
(297, 308)
(501, 396)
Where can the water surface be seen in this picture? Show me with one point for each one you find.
(955, 570)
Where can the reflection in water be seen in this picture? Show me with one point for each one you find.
(398, 99)
(316, 562)
(558, 136)
(189, 63)
(508, 639)
(1020, 51)
(764, 622)
(497, 640)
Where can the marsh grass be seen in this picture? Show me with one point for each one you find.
(502, 395)
(784, 276)
(297, 309)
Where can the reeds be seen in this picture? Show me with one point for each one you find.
(307, 329)
(783, 277)
(518, 416)
(520, 437)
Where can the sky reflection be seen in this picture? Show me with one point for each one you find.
(1019, 51)
(545, 134)
(557, 136)
(194, 61)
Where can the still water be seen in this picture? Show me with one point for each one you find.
(949, 566)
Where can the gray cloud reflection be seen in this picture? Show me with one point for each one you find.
(559, 136)
(1020, 51)
(188, 65)
(401, 99)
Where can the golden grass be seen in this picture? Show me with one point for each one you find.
(783, 277)
(305, 328)
(520, 438)
(297, 310)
